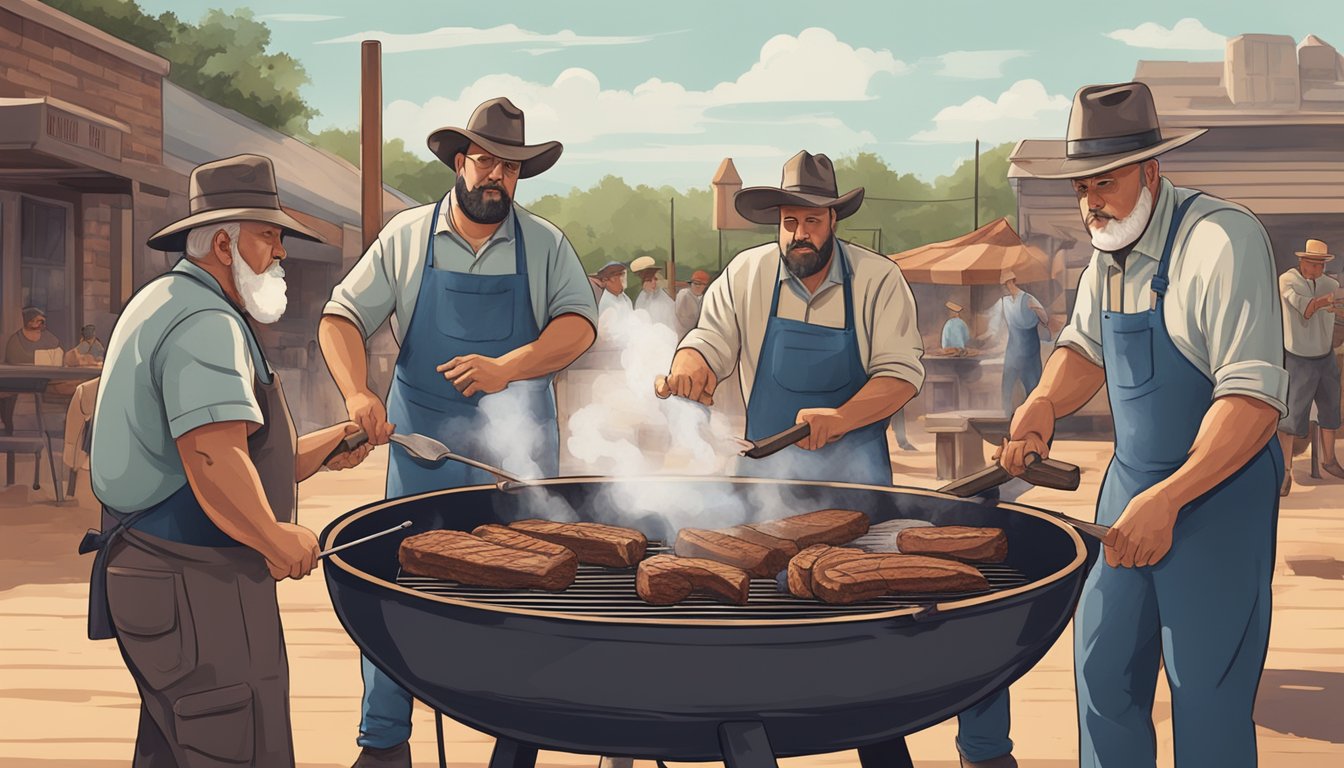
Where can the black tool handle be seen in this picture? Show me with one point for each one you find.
(1050, 473)
(349, 443)
(978, 482)
(775, 443)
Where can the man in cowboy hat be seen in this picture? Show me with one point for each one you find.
(689, 301)
(1309, 307)
(1022, 315)
(1178, 316)
(611, 281)
(487, 302)
(196, 463)
(956, 334)
(652, 299)
(822, 332)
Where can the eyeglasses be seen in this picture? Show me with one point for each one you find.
(486, 164)
(697, 282)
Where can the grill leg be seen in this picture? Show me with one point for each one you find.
(510, 754)
(745, 745)
(888, 754)
(438, 731)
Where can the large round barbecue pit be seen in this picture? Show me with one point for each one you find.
(594, 669)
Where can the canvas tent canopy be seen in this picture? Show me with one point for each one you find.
(975, 258)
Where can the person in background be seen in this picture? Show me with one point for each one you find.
(88, 353)
(611, 278)
(1023, 315)
(956, 334)
(1309, 307)
(689, 301)
(33, 337)
(652, 298)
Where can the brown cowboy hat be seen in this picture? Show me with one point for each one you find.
(1110, 126)
(497, 127)
(239, 188)
(1316, 251)
(808, 181)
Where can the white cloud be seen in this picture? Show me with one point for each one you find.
(298, 17)
(1186, 35)
(465, 37)
(975, 65)
(577, 110)
(1025, 110)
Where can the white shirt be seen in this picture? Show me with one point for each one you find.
(1303, 337)
(659, 305)
(737, 306)
(613, 301)
(1221, 309)
(688, 310)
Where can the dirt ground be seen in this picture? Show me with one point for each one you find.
(67, 701)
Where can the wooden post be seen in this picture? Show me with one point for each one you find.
(672, 253)
(976, 217)
(371, 140)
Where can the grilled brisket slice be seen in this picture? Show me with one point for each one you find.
(786, 548)
(758, 561)
(467, 559)
(667, 580)
(507, 537)
(828, 526)
(843, 578)
(973, 545)
(801, 565)
(594, 543)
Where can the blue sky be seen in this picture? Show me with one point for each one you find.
(660, 92)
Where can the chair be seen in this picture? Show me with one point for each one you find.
(10, 444)
(78, 433)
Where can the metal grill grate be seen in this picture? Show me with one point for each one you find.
(610, 592)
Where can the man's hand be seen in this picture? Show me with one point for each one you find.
(294, 552)
(827, 427)
(690, 377)
(473, 374)
(1033, 426)
(350, 459)
(367, 411)
(1142, 535)
(1317, 304)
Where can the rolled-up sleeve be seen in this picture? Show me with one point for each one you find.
(1083, 333)
(895, 346)
(1240, 316)
(717, 336)
(367, 294)
(1295, 293)
(205, 374)
(568, 290)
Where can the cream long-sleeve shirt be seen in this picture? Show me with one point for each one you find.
(1303, 337)
(1222, 306)
(737, 306)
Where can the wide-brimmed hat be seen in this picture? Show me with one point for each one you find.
(497, 127)
(1316, 251)
(239, 188)
(954, 306)
(1109, 126)
(809, 181)
(1007, 275)
(609, 269)
(643, 264)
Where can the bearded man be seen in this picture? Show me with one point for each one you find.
(196, 463)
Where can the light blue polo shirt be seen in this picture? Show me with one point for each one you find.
(178, 359)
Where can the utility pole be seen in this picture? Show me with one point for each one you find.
(672, 253)
(720, 250)
(976, 217)
(371, 140)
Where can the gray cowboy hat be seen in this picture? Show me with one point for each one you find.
(1110, 126)
(808, 181)
(239, 188)
(497, 127)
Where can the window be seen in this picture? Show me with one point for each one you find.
(43, 264)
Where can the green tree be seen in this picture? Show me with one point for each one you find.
(421, 180)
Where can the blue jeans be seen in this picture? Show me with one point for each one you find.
(385, 713)
(982, 730)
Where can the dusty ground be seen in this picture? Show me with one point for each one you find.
(67, 701)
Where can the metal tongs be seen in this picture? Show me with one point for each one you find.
(1047, 473)
(430, 452)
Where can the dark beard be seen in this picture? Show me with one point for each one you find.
(479, 209)
(803, 261)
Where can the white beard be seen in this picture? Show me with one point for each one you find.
(1121, 233)
(263, 294)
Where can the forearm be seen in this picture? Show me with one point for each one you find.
(1235, 428)
(344, 350)
(229, 489)
(560, 343)
(313, 449)
(878, 399)
(1068, 382)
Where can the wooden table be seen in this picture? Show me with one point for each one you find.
(33, 380)
(946, 378)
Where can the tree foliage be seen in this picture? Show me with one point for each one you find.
(223, 58)
(419, 179)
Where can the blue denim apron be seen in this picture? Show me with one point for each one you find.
(1204, 609)
(455, 314)
(1022, 356)
(812, 366)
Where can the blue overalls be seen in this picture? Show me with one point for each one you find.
(1022, 357)
(812, 366)
(1204, 609)
(456, 313)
